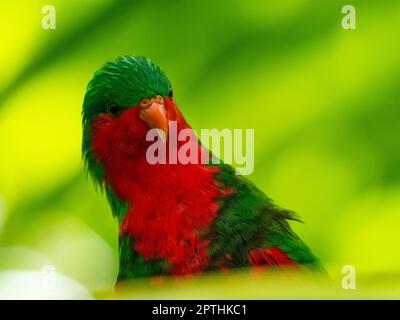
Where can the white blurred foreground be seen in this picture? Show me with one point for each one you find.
(45, 284)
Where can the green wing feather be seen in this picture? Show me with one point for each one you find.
(249, 220)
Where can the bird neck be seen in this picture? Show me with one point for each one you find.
(162, 210)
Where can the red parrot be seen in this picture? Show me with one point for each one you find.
(175, 219)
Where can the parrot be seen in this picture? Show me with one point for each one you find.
(175, 219)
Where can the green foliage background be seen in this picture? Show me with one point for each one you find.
(324, 103)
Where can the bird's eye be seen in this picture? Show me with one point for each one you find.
(170, 93)
(113, 109)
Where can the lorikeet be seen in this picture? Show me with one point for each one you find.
(174, 219)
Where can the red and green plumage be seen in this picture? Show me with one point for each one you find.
(175, 218)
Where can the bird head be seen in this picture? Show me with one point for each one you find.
(125, 99)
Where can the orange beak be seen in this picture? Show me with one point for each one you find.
(153, 112)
